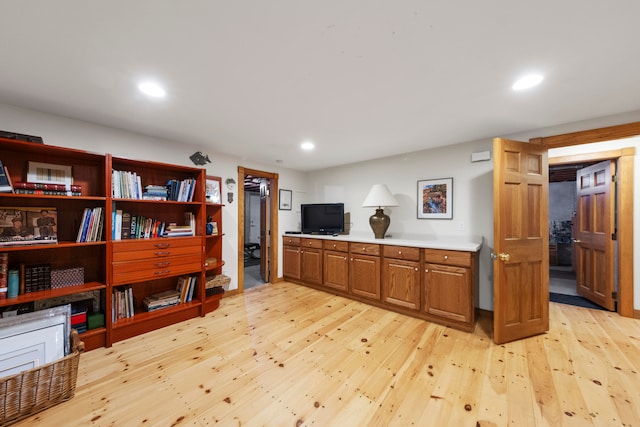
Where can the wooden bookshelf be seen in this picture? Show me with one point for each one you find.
(149, 265)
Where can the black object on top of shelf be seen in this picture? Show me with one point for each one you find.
(21, 137)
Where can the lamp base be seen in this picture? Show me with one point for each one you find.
(379, 223)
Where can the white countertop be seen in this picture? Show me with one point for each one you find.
(451, 243)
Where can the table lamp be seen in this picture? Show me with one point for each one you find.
(379, 196)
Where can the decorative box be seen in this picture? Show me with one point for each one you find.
(67, 277)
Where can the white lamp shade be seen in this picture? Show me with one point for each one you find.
(379, 196)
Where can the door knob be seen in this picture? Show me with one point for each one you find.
(500, 256)
(576, 241)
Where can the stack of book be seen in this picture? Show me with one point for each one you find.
(47, 189)
(4, 271)
(123, 303)
(186, 287)
(161, 300)
(5, 180)
(155, 192)
(173, 230)
(79, 319)
(91, 225)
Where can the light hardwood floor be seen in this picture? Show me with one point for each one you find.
(286, 355)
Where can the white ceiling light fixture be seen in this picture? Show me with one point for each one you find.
(527, 82)
(307, 145)
(152, 89)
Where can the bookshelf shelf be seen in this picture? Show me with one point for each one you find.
(51, 293)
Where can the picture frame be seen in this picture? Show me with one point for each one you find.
(48, 173)
(284, 199)
(212, 190)
(435, 198)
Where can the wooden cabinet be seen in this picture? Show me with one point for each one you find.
(430, 284)
(311, 261)
(113, 261)
(449, 287)
(336, 265)
(364, 270)
(291, 257)
(26, 163)
(401, 276)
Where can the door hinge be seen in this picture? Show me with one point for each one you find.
(614, 178)
(614, 236)
(614, 295)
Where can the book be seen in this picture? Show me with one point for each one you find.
(49, 187)
(5, 181)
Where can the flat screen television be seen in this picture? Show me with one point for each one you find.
(322, 218)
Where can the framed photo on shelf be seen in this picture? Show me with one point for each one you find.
(47, 173)
(435, 198)
(212, 190)
(285, 200)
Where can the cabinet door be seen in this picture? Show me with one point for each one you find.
(291, 262)
(364, 276)
(448, 292)
(311, 266)
(401, 283)
(336, 270)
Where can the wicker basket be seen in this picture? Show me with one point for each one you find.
(218, 280)
(29, 392)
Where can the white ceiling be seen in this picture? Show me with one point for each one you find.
(362, 79)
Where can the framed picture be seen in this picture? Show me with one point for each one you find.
(285, 200)
(212, 188)
(435, 199)
(47, 173)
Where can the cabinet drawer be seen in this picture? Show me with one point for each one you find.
(401, 252)
(364, 248)
(440, 256)
(311, 243)
(128, 272)
(291, 241)
(151, 249)
(334, 245)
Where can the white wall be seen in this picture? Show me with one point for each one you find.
(64, 132)
(472, 182)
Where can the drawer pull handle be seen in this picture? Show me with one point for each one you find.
(162, 264)
(426, 270)
(446, 257)
(334, 246)
(399, 252)
(416, 268)
(162, 245)
(161, 272)
(364, 249)
(166, 253)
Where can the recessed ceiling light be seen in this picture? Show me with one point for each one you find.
(152, 89)
(307, 145)
(527, 81)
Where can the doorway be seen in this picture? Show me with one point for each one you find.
(563, 198)
(257, 228)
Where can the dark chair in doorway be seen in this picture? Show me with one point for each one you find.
(251, 254)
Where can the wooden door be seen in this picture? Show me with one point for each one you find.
(336, 270)
(264, 230)
(521, 240)
(401, 283)
(364, 276)
(448, 293)
(594, 230)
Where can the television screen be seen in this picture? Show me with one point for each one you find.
(322, 218)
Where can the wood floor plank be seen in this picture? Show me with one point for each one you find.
(285, 354)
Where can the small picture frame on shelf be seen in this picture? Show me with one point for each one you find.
(285, 200)
(47, 173)
(212, 190)
(435, 198)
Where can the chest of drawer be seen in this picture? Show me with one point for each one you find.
(156, 248)
(364, 248)
(333, 245)
(401, 252)
(444, 257)
(291, 241)
(311, 243)
(129, 272)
